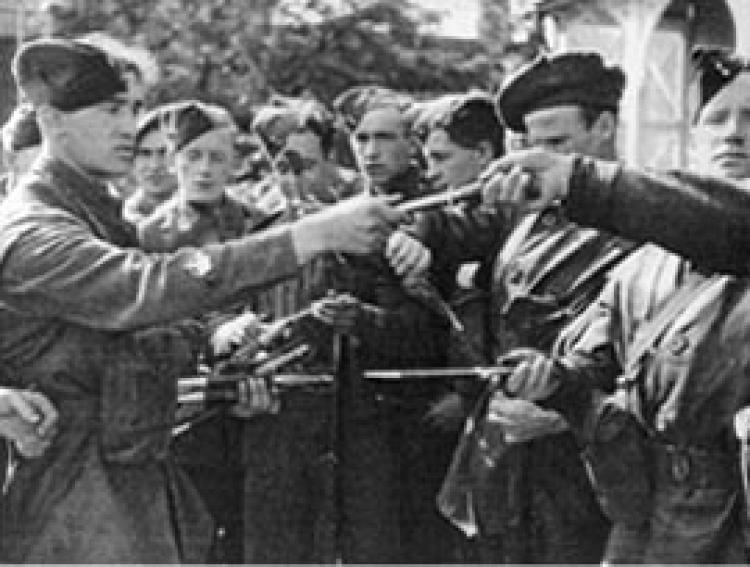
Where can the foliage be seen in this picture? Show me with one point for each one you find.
(238, 52)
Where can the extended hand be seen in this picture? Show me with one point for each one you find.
(341, 311)
(236, 332)
(407, 255)
(529, 179)
(532, 377)
(521, 420)
(28, 419)
(359, 225)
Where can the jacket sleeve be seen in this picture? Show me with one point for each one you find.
(704, 219)
(455, 237)
(54, 266)
(591, 358)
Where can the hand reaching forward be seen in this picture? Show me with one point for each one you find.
(407, 256)
(359, 225)
(528, 179)
(28, 419)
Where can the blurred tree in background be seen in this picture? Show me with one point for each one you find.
(238, 52)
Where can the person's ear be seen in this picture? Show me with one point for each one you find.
(605, 126)
(51, 121)
(485, 153)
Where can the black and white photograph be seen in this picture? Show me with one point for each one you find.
(409, 282)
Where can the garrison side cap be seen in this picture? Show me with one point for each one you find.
(158, 118)
(580, 78)
(66, 74)
(191, 119)
(716, 67)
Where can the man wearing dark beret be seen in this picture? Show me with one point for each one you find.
(83, 309)
(687, 391)
(565, 102)
(546, 270)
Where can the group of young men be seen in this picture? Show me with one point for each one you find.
(609, 305)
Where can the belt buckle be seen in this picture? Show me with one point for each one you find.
(680, 465)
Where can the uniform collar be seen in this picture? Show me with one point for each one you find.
(85, 197)
(74, 186)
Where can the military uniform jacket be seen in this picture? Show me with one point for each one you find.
(705, 219)
(398, 328)
(546, 271)
(81, 309)
(175, 224)
(691, 383)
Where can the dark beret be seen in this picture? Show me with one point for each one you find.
(579, 78)
(66, 74)
(193, 118)
(155, 119)
(21, 130)
(717, 68)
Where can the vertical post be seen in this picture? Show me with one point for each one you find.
(741, 11)
(20, 22)
(637, 21)
(342, 371)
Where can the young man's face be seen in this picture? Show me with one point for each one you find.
(561, 129)
(151, 165)
(204, 166)
(722, 133)
(381, 145)
(451, 165)
(100, 139)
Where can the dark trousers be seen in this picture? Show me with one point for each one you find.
(288, 501)
(362, 493)
(423, 454)
(538, 507)
(209, 453)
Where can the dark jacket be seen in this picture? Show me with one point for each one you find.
(175, 224)
(705, 219)
(536, 500)
(81, 315)
(690, 384)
